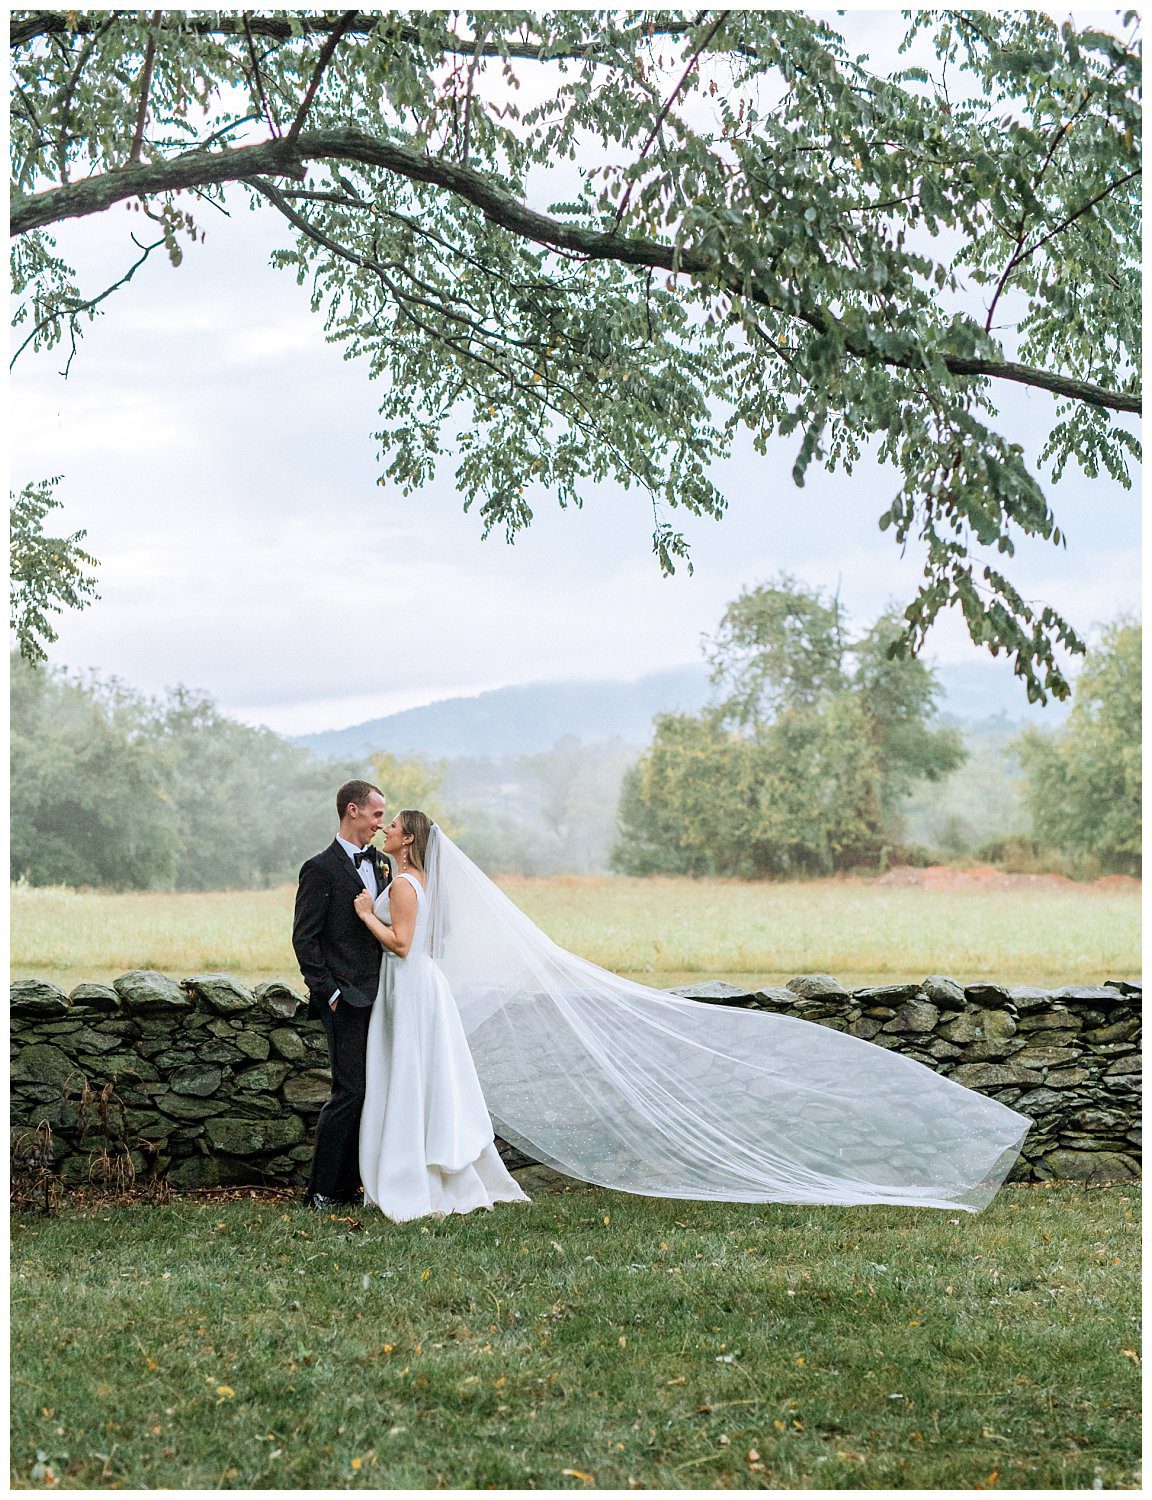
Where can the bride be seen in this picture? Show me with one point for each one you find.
(426, 1144)
(484, 1022)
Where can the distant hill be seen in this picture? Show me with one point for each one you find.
(528, 719)
(987, 689)
(522, 720)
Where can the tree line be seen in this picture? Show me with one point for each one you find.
(112, 788)
(801, 767)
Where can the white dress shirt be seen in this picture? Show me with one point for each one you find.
(365, 870)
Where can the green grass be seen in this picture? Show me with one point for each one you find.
(629, 1341)
(666, 931)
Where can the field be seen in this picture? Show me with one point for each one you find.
(663, 931)
(589, 1340)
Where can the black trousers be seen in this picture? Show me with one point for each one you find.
(336, 1150)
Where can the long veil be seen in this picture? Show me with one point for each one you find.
(636, 1089)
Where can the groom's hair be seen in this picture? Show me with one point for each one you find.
(353, 791)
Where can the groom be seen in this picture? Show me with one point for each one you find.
(340, 961)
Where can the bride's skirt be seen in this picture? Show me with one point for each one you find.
(426, 1143)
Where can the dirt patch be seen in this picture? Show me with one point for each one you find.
(987, 877)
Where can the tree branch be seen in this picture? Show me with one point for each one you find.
(273, 124)
(1079, 213)
(1016, 258)
(322, 62)
(73, 310)
(145, 89)
(668, 103)
(278, 159)
(60, 23)
(380, 269)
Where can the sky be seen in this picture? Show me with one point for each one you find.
(220, 455)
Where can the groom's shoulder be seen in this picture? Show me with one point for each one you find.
(316, 862)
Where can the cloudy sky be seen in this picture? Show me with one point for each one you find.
(220, 455)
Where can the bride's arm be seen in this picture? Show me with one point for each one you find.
(397, 938)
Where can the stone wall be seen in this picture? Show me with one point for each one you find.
(205, 1082)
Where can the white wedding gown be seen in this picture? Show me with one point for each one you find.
(426, 1142)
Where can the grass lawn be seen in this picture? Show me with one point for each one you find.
(590, 1340)
(663, 931)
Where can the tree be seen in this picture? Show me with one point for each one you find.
(110, 788)
(48, 572)
(1084, 782)
(765, 235)
(802, 767)
(89, 804)
(411, 783)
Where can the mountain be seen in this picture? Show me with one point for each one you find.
(531, 718)
(988, 689)
(522, 720)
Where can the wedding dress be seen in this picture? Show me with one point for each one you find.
(633, 1088)
(426, 1143)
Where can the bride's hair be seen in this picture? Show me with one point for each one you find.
(419, 825)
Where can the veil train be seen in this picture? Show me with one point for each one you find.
(635, 1089)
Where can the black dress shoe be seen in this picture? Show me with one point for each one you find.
(325, 1204)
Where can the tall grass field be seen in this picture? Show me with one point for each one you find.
(663, 931)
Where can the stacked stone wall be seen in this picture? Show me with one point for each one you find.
(205, 1082)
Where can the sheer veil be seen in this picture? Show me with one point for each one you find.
(636, 1089)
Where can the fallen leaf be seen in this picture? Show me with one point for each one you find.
(579, 1474)
(356, 1462)
(1131, 1354)
(225, 1392)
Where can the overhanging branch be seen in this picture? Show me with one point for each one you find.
(363, 23)
(282, 158)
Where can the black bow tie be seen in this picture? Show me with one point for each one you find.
(364, 854)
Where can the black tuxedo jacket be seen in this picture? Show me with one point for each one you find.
(333, 947)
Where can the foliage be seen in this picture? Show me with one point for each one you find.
(759, 234)
(411, 782)
(588, 1340)
(979, 803)
(801, 766)
(1084, 783)
(112, 789)
(47, 572)
(544, 813)
(89, 800)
